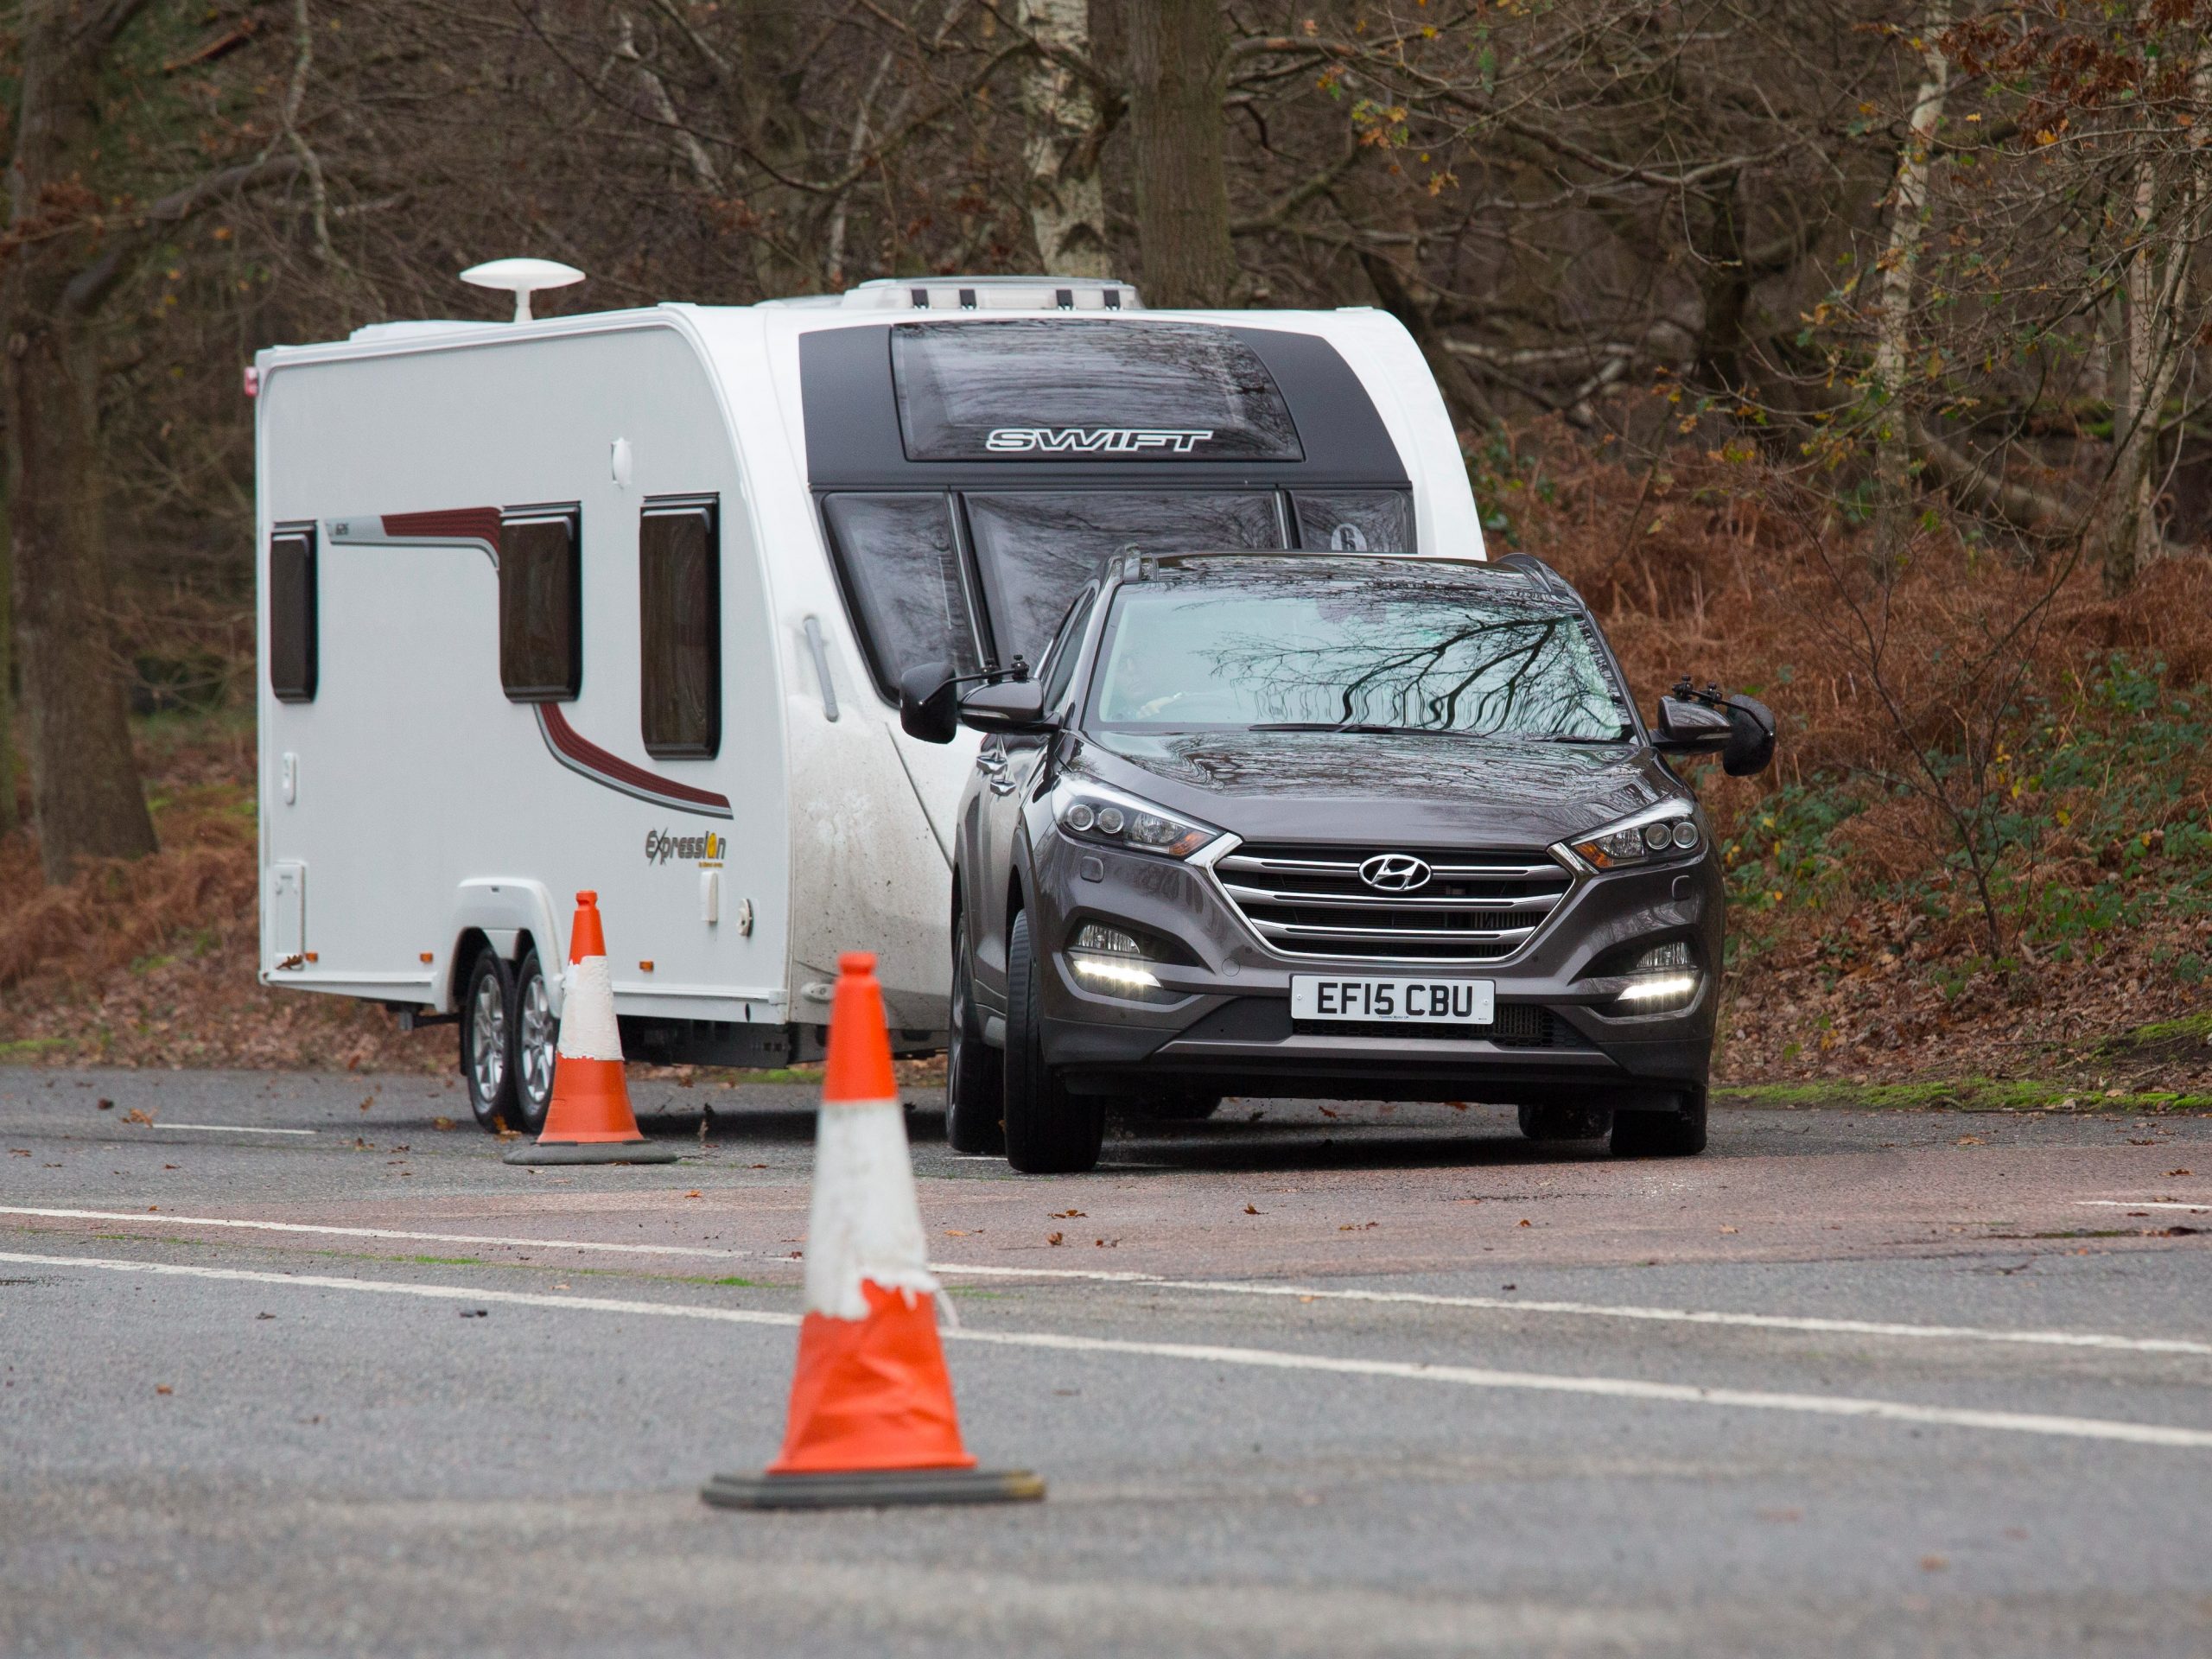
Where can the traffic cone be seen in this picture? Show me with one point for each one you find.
(589, 1120)
(872, 1420)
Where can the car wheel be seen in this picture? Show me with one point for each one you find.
(1048, 1131)
(487, 1041)
(1178, 1106)
(1678, 1134)
(975, 1073)
(1567, 1122)
(536, 1044)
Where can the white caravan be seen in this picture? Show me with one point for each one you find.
(621, 602)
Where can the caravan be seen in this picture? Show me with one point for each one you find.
(623, 600)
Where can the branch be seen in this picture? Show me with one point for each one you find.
(90, 287)
(1975, 487)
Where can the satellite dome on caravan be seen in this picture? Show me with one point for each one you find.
(622, 600)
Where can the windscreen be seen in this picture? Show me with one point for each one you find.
(1049, 389)
(1036, 548)
(1442, 653)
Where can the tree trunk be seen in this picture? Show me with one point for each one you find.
(1177, 72)
(1067, 205)
(7, 814)
(1908, 219)
(84, 793)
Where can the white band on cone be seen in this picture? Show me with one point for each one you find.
(588, 1027)
(865, 1223)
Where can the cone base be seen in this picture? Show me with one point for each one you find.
(593, 1151)
(872, 1489)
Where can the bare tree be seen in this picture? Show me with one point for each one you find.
(1178, 57)
(1067, 200)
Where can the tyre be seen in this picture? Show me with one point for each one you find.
(537, 1040)
(975, 1072)
(487, 1019)
(1678, 1134)
(1177, 1106)
(1048, 1131)
(1567, 1122)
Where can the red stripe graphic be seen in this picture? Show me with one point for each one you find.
(581, 755)
(455, 524)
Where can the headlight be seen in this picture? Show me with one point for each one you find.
(1107, 817)
(1664, 977)
(1663, 831)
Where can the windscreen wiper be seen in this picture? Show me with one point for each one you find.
(1621, 736)
(1367, 726)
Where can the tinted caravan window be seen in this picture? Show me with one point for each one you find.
(1037, 548)
(679, 629)
(901, 568)
(541, 605)
(1354, 521)
(1065, 391)
(292, 614)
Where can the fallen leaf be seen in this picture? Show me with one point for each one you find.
(694, 1193)
(475, 1313)
(1357, 1226)
(1068, 1215)
(1325, 1112)
(169, 1166)
(1933, 1563)
(365, 1102)
(107, 1105)
(441, 1124)
(1051, 1238)
(955, 1233)
(1727, 1229)
(2174, 1232)
(264, 1316)
(1970, 1141)
(1525, 1221)
(2180, 1172)
(1107, 1243)
(1508, 1287)
(757, 1166)
(163, 1387)
(135, 1116)
(1457, 1105)
(1249, 1211)
(25, 1152)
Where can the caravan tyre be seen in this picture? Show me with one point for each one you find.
(975, 1072)
(1048, 1131)
(536, 1039)
(487, 1008)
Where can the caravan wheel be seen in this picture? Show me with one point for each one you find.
(487, 1041)
(536, 1039)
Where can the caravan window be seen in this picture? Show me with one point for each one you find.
(292, 614)
(1037, 548)
(680, 630)
(1056, 389)
(900, 570)
(1354, 521)
(541, 605)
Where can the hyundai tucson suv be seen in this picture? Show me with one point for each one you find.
(1330, 825)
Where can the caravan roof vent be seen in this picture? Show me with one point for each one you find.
(992, 293)
(522, 278)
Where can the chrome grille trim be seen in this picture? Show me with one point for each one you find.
(1311, 903)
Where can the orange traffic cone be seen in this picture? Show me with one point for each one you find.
(872, 1420)
(589, 1120)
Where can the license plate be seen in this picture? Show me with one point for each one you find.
(1432, 1001)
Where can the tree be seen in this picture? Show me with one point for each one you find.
(1178, 60)
(69, 244)
(1067, 205)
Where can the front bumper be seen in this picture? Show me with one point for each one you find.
(1220, 1020)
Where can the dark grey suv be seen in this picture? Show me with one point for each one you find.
(1330, 825)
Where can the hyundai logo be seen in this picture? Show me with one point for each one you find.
(1395, 872)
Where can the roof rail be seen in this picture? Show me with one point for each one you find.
(992, 293)
(1536, 570)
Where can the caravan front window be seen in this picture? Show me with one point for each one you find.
(1037, 548)
(901, 572)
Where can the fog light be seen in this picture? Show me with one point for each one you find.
(1121, 975)
(1115, 941)
(1654, 991)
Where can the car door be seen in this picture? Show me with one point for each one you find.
(1007, 766)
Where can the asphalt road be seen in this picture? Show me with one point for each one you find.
(1391, 1381)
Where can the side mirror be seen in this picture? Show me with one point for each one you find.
(1687, 727)
(929, 701)
(1011, 706)
(1751, 738)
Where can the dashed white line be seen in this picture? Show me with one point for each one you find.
(2142, 1203)
(1895, 1411)
(1807, 1323)
(231, 1128)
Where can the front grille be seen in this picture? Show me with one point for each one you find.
(1311, 901)
(1519, 1024)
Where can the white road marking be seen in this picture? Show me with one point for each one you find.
(1614, 1388)
(231, 1128)
(2142, 1203)
(1809, 1323)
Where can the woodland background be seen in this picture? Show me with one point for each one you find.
(1854, 353)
